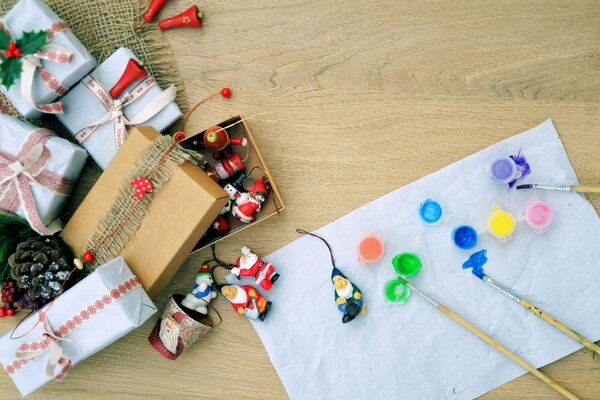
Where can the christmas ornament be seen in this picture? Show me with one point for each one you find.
(348, 296)
(218, 140)
(190, 17)
(248, 204)
(142, 186)
(13, 230)
(227, 168)
(13, 52)
(202, 292)
(221, 225)
(133, 71)
(245, 300)
(153, 9)
(249, 264)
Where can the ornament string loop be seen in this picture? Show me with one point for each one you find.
(302, 231)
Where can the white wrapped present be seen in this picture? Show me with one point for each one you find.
(50, 73)
(100, 122)
(37, 172)
(96, 312)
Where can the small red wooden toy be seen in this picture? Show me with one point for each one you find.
(217, 139)
(249, 264)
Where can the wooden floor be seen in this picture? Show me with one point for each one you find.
(368, 96)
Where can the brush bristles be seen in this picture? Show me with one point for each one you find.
(528, 186)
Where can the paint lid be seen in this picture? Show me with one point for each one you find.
(503, 170)
(407, 264)
(501, 223)
(370, 249)
(431, 212)
(539, 215)
(464, 237)
(396, 291)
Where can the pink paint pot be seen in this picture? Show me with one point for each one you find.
(539, 216)
(370, 249)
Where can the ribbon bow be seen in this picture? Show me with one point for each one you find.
(33, 63)
(50, 343)
(114, 108)
(18, 172)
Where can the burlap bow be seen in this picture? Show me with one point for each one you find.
(28, 167)
(114, 108)
(33, 63)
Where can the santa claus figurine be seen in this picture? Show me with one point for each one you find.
(202, 293)
(246, 301)
(347, 296)
(248, 204)
(249, 264)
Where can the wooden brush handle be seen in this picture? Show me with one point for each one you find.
(562, 327)
(481, 335)
(586, 189)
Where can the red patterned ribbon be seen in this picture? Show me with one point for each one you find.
(50, 341)
(33, 63)
(114, 108)
(28, 167)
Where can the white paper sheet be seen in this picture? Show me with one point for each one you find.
(411, 350)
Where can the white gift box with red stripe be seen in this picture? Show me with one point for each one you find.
(34, 15)
(100, 123)
(96, 312)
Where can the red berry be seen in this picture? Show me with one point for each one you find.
(11, 284)
(12, 290)
(10, 298)
(226, 92)
(88, 257)
(12, 46)
(179, 136)
(17, 52)
(9, 53)
(2, 312)
(10, 312)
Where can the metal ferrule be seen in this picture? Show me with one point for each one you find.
(501, 288)
(423, 295)
(564, 188)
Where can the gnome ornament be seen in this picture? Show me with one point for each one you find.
(202, 293)
(248, 204)
(249, 264)
(245, 300)
(348, 296)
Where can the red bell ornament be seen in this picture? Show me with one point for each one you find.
(190, 17)
(229, 167)
(153, 9)
(134, 71)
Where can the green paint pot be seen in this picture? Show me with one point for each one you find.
(407, 264)
(397, 291)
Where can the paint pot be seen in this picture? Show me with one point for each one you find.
(539, 216)
(503, 170)
(464, 237)
(407, 264)
(396, 291)
(431, 212)
(501, 224)
(370, 249)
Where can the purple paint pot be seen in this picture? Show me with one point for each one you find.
(503, 170)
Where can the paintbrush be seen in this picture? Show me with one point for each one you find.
(562, 188)
(537, 311)
(480, 334)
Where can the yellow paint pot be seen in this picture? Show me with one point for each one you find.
(501, 224)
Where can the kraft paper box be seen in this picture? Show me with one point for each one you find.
(178, 216)
(66, 159)
(83, 108)
(34, 15)
(96, 312)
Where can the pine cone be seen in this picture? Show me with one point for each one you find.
(40, 266)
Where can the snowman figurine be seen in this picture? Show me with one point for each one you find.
(202, 293)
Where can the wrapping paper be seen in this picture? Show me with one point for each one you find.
(35, 15)
(102, 329)
(412, 350)
(83, 109)
(66, 159)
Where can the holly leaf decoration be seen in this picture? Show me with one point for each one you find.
(10, 71)
(31, 42)
(4, 40)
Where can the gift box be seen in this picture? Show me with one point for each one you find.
(253, 161)
(58, 73)
(178, 214)
(99, 122)
(96, 312)
(37, 171)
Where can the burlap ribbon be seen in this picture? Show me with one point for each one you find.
(32, 63)
(28, 167)
(114, 108)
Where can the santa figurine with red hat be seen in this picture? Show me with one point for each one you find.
(202, 293)
(246, 301)
(248, 204)
(249, 264)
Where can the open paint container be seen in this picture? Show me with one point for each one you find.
(396, 291)
(407, 264)
(501, 224)
(370, 249)
(503, 170)
(464, 237)
(431, 212)
(539, 216)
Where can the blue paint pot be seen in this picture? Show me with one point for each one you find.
(464, 237)
(431, 212)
